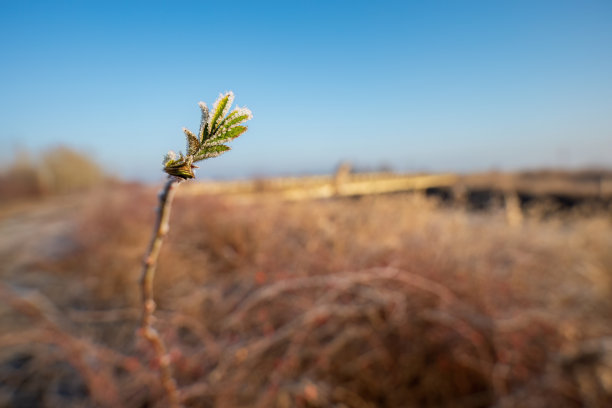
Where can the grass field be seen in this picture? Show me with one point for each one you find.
(381, 301)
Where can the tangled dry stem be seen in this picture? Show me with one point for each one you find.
(51, 329)
(146, 283)
(376, 302)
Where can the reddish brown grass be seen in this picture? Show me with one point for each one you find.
(375, 302)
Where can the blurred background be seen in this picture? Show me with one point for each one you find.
(419, 214)
(411, 85)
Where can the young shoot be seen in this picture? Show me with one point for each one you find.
(217, 128)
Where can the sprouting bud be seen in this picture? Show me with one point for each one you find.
(170, 156)
(183, 167)
(217, 127)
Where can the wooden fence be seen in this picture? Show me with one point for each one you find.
(342, 184)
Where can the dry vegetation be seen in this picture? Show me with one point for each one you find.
(57, 170)
(582, 183)
(373, 302)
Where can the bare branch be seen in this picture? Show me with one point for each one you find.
(146, 283)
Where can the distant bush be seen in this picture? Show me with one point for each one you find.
(62, 169)
(58, 170)
(19, 179)
(382, 301)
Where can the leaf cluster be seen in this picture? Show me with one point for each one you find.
(217, 127)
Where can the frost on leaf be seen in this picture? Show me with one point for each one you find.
(204, 121)
(226, 136)
(169, 157)
(236, 117)
(211, 151)
(217, 127)
(193, 144)
(220, 109)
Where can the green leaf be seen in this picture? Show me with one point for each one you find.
(215, 131)
(234, 118)
(203, 121)
(226, 136)
(193, 144)
(210, 151)
(216, 128)
(220, 108)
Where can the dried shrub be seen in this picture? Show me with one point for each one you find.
(63, 170)
(20, 179)
(57, 170)
(386, 301)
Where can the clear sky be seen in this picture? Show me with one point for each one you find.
(417, 85)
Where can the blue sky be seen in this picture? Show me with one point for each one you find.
(417, 85)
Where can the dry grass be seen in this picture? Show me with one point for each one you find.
(57, 170)
(375, 302)
(574, 183)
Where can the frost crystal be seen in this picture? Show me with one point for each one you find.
(205, 118)
(170, 156)
(217, 127)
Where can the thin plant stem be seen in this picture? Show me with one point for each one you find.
(216, 128)
(166, 196)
